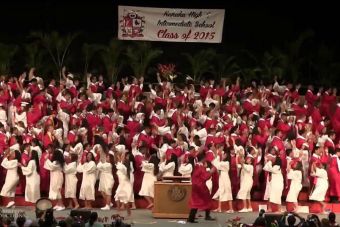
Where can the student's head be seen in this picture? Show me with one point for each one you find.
(15, 155)
(249, 160)
(26, 147)
(331, 217)
(325, 222)
(58, 157)
(74, 157)
(20, 221)
(260, 222)
(93, 218)
(278, 161)
(317, 149)
(201, 157)
(155, 161)
(89, 157)
(291, 220)
(337, 152)
(289, 153)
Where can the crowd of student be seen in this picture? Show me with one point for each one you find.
(61, 138)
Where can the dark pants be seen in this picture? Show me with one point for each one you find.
(193, 213)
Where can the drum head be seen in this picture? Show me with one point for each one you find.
(44, 204)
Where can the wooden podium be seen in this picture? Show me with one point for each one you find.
(172, 197)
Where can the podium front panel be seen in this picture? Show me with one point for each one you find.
(171, 200)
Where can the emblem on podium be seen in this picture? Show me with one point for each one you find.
(177, 193)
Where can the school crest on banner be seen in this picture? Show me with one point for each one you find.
(132, 25)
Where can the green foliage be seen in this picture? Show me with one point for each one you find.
(89, 50)
(322, 64)
(140, 55)
(56, 45)
(225, 66)
(295, 60)
(111, 56)
(201, 62)
(34, 55)
(292, 58)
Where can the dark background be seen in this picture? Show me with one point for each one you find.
(253, 25)
(256, 24)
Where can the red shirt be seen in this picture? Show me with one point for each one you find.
(67, 106)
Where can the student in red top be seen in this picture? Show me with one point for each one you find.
(200, 195)
(334, 176)
(316, 157)
(3, 139)
(44, 173)
(48, 138)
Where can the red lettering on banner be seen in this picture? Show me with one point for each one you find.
(167, 35)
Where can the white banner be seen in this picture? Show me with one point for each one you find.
(171, 25)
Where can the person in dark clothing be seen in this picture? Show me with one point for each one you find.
(291, 220)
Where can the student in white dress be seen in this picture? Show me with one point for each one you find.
(276, 183)
(132, 179)
(70, 170)
(294, 173)
(169, 168)
(31, 171)
(10, 163)
(106, 180)
(150, 170)
(320, 189)
(246, 175)
(55, 166)
(87, 191)
(187, 163)
(125, 188)
(224, 193)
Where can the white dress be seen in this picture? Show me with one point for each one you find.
(12, 177)
(148, 183)
(246, 180)
(295, 185)
(321, 186)
(87, 191)
(71, 180)
(32, 190)
(276, 183)
(132, 181)
(57, 179)
(167, 169)
(185, 169)
(124, 190)
(106, 180)
(224, 192)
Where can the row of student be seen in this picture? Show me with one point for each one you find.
(63, 168)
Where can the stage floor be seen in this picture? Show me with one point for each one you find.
(143, 217)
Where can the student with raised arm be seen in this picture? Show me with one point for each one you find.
(169, 167)
(106, 180)
(87, 191)
(294, 173)
(276, 183)
(321, 186)
(31, 171)
(55, 166)
(10, 163)
(70, 170)
(150, 170)
(124, 191)
(246, 179)
(224, 193)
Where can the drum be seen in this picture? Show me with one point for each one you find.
(43, 205)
